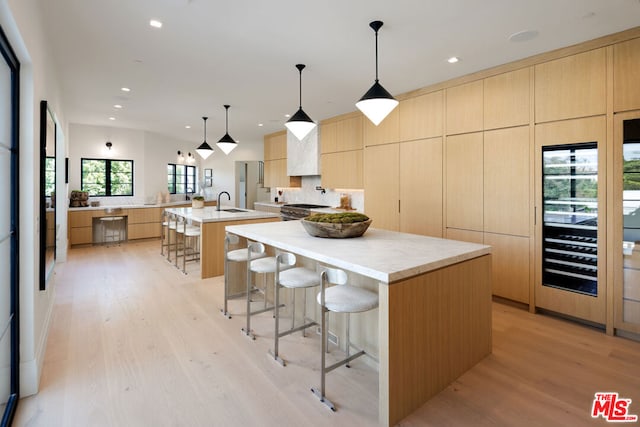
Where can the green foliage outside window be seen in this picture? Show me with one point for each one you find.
(105, 177)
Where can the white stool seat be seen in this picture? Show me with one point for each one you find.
(267, 265)
(240, 255)
(192, 232)
(299, 277)
(348, 299)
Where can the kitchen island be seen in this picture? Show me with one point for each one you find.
(213, 223)
(434, 315)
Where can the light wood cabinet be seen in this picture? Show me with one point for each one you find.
(464, 108)
(144, 223)
(422, 116)
(386, 132)
(343, 133)
(275, 146)
(506, 99)
(381, 185)
(403, 186)
(343, 169)
(421, 187)
(463, 177)
(80, 227)
(275, 162)
(464, 235)
(571, 87)
(626, 75)
(275, 175)
(510, 266)
(507, 202)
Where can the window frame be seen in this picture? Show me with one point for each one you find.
(107, 182)
(185, 177)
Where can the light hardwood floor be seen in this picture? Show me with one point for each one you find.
(134, 342)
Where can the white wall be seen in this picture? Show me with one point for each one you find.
(22, 23)
(150, 152)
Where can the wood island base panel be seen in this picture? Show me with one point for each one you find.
(434, 315)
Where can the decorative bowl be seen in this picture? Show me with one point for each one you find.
(335, 230)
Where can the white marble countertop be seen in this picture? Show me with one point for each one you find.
(386, 256)
(133, 206)
(211, 214)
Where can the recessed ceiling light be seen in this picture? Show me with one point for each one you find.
(260, 124)
(453, 60)
(112, 118)
(118, 106)
(523, 36)
(287, 115)
(187, 127)
(155, 23)
(125, 89)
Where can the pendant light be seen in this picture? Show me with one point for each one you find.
(377, 103)
(204, 149)
(226, 143)
(300, 124)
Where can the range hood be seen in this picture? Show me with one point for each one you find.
(303, 157)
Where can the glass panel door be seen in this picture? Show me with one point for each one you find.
(570, 229)
(631, 222)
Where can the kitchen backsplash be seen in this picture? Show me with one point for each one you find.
(308, 194)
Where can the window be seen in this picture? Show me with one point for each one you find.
(181, 179)
(105, 177)
(49, 176)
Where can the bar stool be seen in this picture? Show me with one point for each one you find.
(164, 231)
(341, 298)
(235, 256)
(292, 278)
(261, 265)
(173, 223)
(112, 227)
(190, 244)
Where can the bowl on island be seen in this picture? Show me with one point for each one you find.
(336, 225)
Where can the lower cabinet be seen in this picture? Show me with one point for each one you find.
(510, 266)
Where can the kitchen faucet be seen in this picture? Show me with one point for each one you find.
(220, 194)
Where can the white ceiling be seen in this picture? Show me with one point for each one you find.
(243, 53)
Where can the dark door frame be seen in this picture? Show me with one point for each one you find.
(12, 61)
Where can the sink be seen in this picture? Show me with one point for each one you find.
(233, 210)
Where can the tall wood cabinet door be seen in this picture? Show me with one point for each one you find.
(464, 108)
(349, 132)
(328, 137)
(421, 187)
(626, 75)
(386, 132)
(506, 99)
(510, 266)
(269, 174)
(463, 175)
(571, 87)
(279, 145)
(381, 185)
(507, 202)
(343, 170)
(422, 116)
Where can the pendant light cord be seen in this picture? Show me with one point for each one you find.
(227, 119)
(300, 67)
(205, 128)
(375, 26)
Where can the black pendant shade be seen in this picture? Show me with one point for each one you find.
(226, 143)
(204, 149)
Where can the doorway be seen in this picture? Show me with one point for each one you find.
(249, 183)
